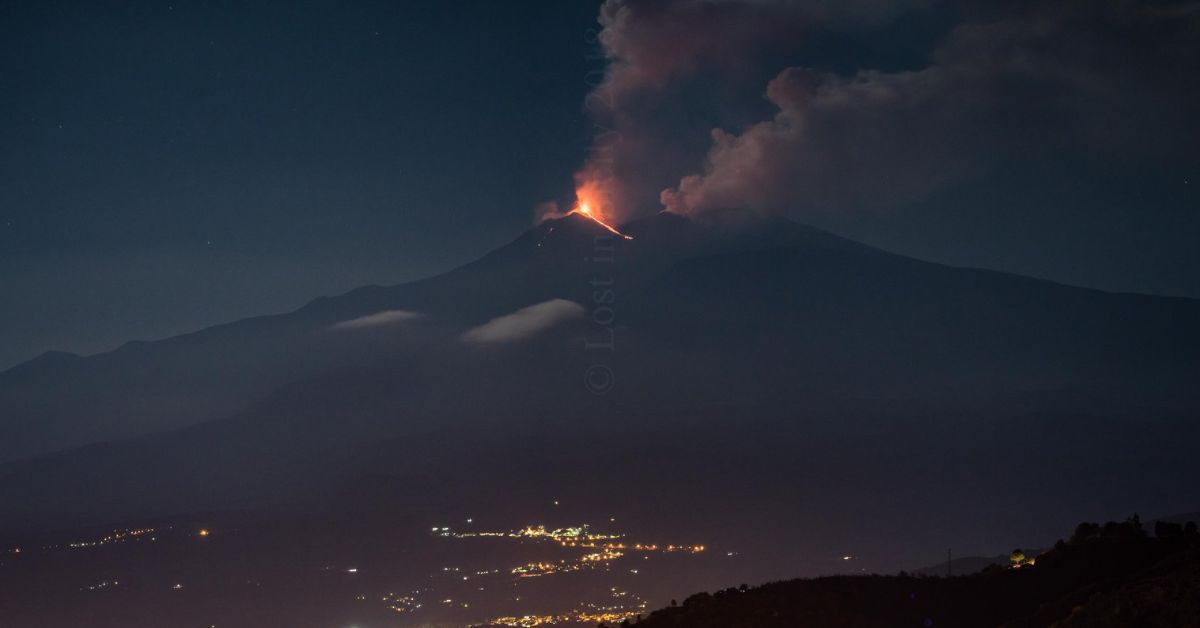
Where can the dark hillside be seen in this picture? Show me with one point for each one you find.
(1113, 575)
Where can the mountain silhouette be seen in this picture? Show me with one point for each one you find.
(768, 360)
(1100, 581)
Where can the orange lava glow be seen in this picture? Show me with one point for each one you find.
(588, 203)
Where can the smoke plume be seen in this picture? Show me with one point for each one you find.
(1008, 82)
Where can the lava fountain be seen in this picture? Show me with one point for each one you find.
(589, 203)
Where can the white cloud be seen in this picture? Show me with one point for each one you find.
(386, 317)
(525, 322)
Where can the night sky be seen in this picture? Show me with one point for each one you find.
(164, 167)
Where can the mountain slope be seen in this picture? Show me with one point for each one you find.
(58, 402)
(143, 387)
(764, 357)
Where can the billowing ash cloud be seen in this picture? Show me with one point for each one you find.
(651, 44)
(838, 143)
(525, 322)
(378, 319)
(648, 44)
(1047, 79)
(1010, 81)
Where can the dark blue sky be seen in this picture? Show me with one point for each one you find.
(165, 166)
(168, 166)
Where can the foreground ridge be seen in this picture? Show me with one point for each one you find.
(1110, 575)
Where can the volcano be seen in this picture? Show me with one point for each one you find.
(767, 372)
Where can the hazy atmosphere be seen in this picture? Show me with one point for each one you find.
(600, 313)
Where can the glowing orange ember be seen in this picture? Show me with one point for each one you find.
(588, 203)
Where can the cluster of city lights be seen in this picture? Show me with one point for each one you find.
(578, 548)
(588, 614)
(124, 535)
(592, 550)
(117, 536)
(579, 536)
(573, 617)
(401, 603)
(608, 547)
